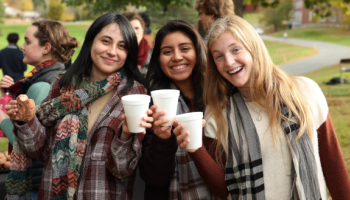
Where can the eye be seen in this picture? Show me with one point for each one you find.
(185, 48)
(236, 50)
(217, 57)
(166, 52)
(105, 42)
(122, 46)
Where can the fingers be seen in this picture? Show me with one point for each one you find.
(175, 123)
(203, 122)
(160, 122)
(157, 115)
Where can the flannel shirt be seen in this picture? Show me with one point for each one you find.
(108, 169)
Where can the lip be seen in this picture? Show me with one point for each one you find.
(172, 67)
(237, 73)
(108, 60)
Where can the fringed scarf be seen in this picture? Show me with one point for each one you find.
(70, 142)
(244, 168)
(187, 182)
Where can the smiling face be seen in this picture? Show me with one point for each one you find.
(33, 53)
(177, 57)
(136, 24)
(232, 59)
(108, 52)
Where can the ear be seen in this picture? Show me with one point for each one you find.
(47, 48)
(212, 16)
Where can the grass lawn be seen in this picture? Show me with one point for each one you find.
(324, 34)
(338, 98)
(3, 144)
(283, 53)
(252, 18)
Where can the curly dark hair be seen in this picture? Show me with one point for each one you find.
(218, 8)
(53, 32)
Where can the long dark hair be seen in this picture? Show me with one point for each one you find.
(82, 65)
(156, 79)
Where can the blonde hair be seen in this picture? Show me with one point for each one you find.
(270, 87)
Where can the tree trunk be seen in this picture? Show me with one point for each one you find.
(239, 9)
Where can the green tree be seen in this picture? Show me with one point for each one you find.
(56, 9)
(276, 16)
(26, 5)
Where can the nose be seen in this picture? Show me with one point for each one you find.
(112, 50)
(177, 56)
(22, 47)
(229, 60)
(200, 17)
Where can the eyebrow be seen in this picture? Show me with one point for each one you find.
(109, 37)
(185, 43)
(228, 46)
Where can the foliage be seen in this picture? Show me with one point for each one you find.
(23, 5)
(56, 9)
(39, 3)
(68, 17)
(118, 5)
(276, 16)
(27, 5)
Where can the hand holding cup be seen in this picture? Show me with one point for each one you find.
(161, 131)
(188, 131)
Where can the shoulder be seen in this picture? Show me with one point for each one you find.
(136, 88)
(314, 97)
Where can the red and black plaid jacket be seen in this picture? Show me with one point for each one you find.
(108, 169)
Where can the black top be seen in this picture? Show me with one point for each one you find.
(11, 62)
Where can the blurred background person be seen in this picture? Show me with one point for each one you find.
(210, 10)
(144, 50)
(148, 32)
(11, 58)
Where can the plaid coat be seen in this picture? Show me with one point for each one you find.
(108, 169)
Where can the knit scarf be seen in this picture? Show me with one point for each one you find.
(143, 52)
(187, 182)
(244, 168)
(15, 89)
(70, 142)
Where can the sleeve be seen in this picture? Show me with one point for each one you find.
(211, 172)
(24, 67)
(123, 157)
(34, 136)
(333, 166)
(157, 163)
(7, 127)
(38, 92)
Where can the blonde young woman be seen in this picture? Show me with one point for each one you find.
(274, 138)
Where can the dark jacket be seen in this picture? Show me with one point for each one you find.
(11, 62)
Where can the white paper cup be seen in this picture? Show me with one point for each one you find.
(135, 107)
(166, 100)
(193, 124)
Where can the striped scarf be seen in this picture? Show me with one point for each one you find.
(244, 168)
(40, 67)
(70, 142)
(187, 183)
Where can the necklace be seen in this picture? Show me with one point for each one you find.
(259, 117)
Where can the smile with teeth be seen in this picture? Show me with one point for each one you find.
(179, 66)
(235, 70)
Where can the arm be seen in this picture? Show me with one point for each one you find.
(212, 174)
(333, 166)
(157, 163)
(37, 92)
(32, 136)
